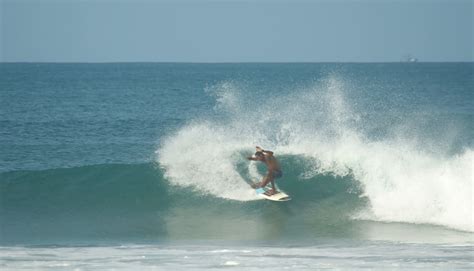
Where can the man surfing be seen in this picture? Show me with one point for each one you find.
(273, 167)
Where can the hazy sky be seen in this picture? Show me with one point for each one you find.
(235, 31)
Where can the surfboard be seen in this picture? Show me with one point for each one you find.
(264, 192)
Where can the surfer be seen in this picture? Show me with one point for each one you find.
(273, 167)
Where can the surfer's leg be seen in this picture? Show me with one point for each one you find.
(273, 186)
(266, 180)
(269, 178)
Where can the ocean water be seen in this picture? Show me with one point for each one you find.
(142, 166)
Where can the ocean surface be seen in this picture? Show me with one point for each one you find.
(142, 166)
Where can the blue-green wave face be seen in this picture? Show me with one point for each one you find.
(135, 202)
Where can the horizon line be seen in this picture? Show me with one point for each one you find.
(226, 62)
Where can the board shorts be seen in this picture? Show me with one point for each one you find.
(276, 174)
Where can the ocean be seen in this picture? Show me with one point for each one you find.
(142, 166)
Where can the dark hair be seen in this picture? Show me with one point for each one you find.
(259, 154)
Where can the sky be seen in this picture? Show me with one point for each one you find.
(235, 30)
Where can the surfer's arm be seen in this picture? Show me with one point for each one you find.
(267, 152)
(264, 151)
(252, 158)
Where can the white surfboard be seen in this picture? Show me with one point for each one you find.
(264, 192)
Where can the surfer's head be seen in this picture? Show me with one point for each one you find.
(259, 155)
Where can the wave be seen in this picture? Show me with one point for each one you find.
(135, 202)
(405, 177)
